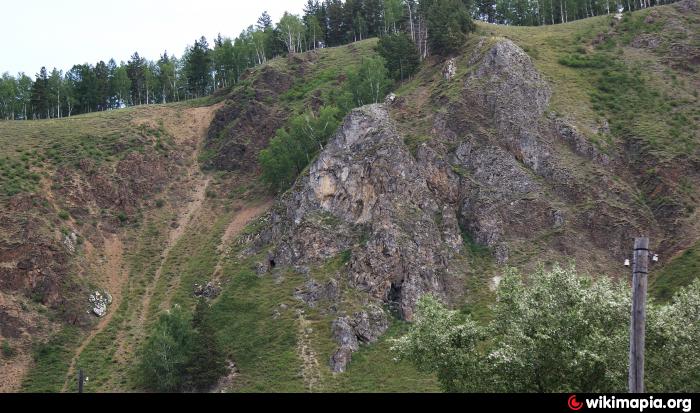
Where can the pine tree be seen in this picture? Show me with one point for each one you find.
(198, 67)
(401, 55)
(40, 95)
(448, 23)
(135, 70)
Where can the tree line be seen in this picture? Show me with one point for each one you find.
(543, 12)
(433, 26)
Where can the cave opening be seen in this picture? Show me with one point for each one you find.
(394, 296)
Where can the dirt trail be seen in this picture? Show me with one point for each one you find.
(184, 219)
(189, 130)
(243, 217)
(114, 279)
(310, 368)
(193, 130)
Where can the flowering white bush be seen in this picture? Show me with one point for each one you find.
(555, 331)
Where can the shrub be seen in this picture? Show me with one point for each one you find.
(292, 149)
(560, 332)
(370, 83)
(166, 352)
(64, 215)
(182, 354)
(7, 350)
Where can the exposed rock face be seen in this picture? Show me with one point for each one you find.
(366, 185)
(450, 69)
(402, 215)
(497, 167)
(349, 332)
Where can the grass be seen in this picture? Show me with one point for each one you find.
(607, 80)
(39, 148)
(679, 273)
(51, 361)
(373, 369)
(263, 347)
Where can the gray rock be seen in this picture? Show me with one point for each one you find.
(363, 327)
(310, 293)
(262, 268)
(210, 290)
(450, 69)
(367, 183)
(340, 359)
(99, 302)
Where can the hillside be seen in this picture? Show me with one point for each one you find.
(532, 146)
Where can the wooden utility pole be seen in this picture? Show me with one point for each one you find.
(81, 380)
(640, 273)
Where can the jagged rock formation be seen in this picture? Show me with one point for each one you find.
(497, 167)
(367, 186)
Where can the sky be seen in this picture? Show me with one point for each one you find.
(63, 33)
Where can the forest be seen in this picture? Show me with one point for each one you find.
(432, 25)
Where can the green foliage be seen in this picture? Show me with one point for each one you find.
(679, 273)
(64, 215)
(673, 339)
(634, 108)
(448, 24)
(166, 352)
(292, 149)
(7, 350)
(181, 353)
(207, 363)
(555, 332)
(370, 83)
(400, 54)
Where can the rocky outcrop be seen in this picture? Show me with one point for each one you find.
(498, 168)
(349, 332)
(366, 193)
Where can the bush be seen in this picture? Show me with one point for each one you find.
(182, 354)
(7, 350)
(64, 215)
(370, 83)
(166, 352)
(558, 333)
(292, 149)
(400, 54)
(160, 203)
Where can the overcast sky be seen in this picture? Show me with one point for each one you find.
(60, 34)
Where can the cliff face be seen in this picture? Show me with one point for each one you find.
(366, 193)
(497, 167)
